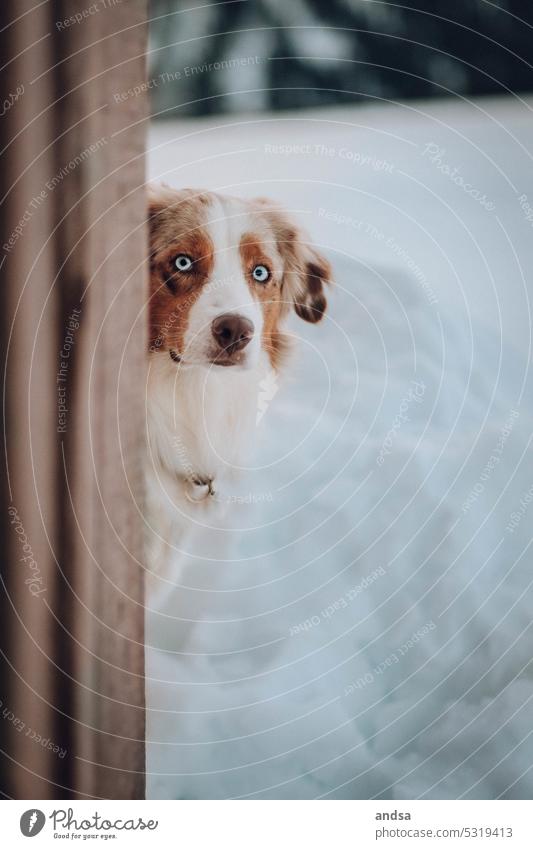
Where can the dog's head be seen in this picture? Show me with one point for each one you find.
(223, 274)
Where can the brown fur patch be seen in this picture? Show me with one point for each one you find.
(306, 270)
(301, 284)
(176, 220)
(261, 249)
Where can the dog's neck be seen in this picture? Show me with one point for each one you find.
(201, 423)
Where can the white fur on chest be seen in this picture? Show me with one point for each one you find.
(201, 423)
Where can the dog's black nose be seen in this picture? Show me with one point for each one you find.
(232, 332)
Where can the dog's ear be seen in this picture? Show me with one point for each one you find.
(306, 271)
(162, 202)
(171, 211)
(311, 275)
(159, 200)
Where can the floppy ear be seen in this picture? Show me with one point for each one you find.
(159, 200)
(164, 202)
(169, 210)
(306, 271)
(314, 273)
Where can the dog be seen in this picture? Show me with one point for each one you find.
(224, 274)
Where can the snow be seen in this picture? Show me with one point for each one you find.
(275, 670)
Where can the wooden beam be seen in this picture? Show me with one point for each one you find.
(75, 652)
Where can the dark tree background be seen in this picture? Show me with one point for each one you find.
(281, 54)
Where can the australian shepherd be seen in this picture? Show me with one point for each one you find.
(224, 274)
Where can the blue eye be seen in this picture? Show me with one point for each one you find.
(183, 262)
(261, 273)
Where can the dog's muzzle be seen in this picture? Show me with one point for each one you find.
(232, 333)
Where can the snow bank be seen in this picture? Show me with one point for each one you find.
(363, 627)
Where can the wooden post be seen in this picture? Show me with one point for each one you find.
(73, 337)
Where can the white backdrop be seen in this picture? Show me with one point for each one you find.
(367, 629)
